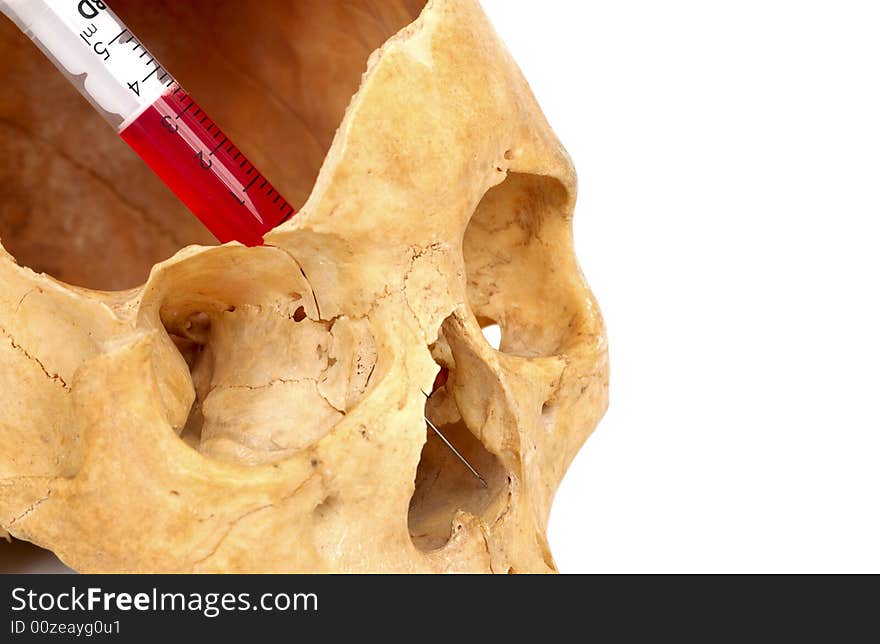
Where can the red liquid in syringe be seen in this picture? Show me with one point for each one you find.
(206, 170)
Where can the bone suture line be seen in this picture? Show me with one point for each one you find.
(452, 448)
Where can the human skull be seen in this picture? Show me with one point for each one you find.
(262, 409)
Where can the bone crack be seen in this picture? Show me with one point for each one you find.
(33, 506)
(51, 376)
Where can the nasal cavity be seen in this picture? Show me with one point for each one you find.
(455, 473)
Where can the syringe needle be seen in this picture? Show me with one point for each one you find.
(453, 450)
(456, 452)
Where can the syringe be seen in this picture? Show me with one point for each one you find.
(153, 114)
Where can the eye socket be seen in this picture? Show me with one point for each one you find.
(256, 402)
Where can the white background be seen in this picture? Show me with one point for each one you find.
(729, 160)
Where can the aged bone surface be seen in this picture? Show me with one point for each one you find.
(262, 409)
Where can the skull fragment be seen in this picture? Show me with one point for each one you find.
(262, 409)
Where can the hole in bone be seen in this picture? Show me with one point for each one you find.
(261, 402)
(444, 485)
(548, 416)
(326, 507)
(492, 333)
(521, 272)
(78, 204)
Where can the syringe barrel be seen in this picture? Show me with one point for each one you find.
(90, 45)
(153, 114)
